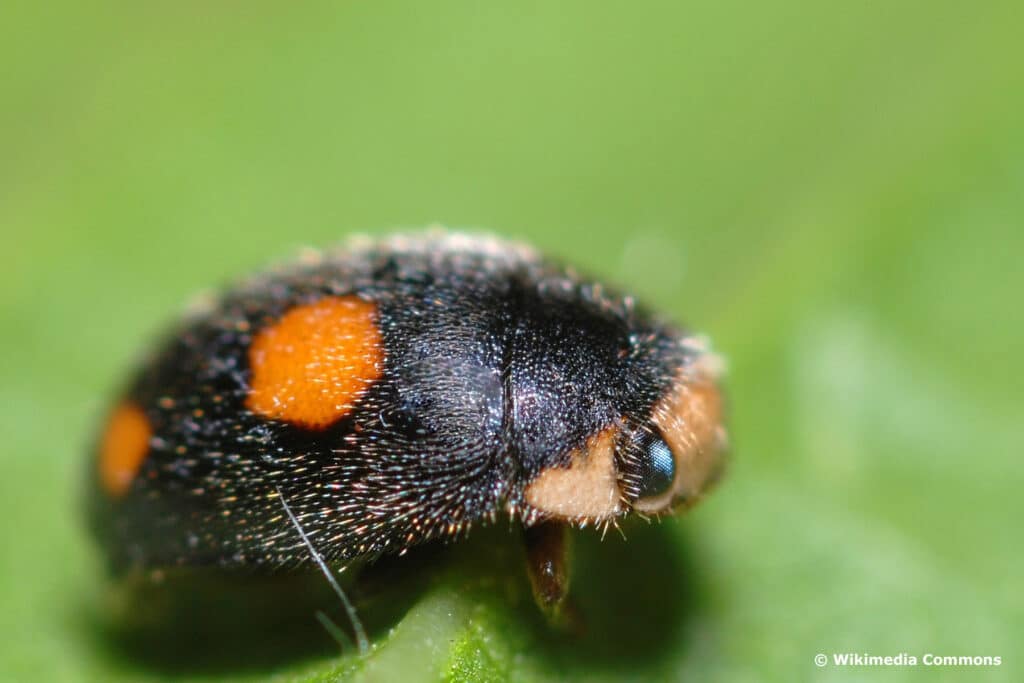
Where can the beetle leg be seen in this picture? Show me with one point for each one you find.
(547, 562)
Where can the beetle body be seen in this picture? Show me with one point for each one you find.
(395, 392)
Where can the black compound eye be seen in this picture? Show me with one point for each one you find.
(657, 467)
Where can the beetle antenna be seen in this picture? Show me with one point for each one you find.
(357, 626)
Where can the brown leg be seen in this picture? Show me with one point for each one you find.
(547, 560)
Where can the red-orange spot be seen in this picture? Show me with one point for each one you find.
(313, 364)
(123, 448)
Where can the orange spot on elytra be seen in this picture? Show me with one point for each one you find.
(123, 448)
(313, 364)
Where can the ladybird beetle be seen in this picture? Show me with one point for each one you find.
(360, 402)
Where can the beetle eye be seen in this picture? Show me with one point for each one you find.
(657, 467)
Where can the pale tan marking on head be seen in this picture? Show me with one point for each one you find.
(690, 420)
(586, 490)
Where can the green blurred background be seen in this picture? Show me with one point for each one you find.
(834, 193)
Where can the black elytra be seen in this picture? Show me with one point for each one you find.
(504, 384)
